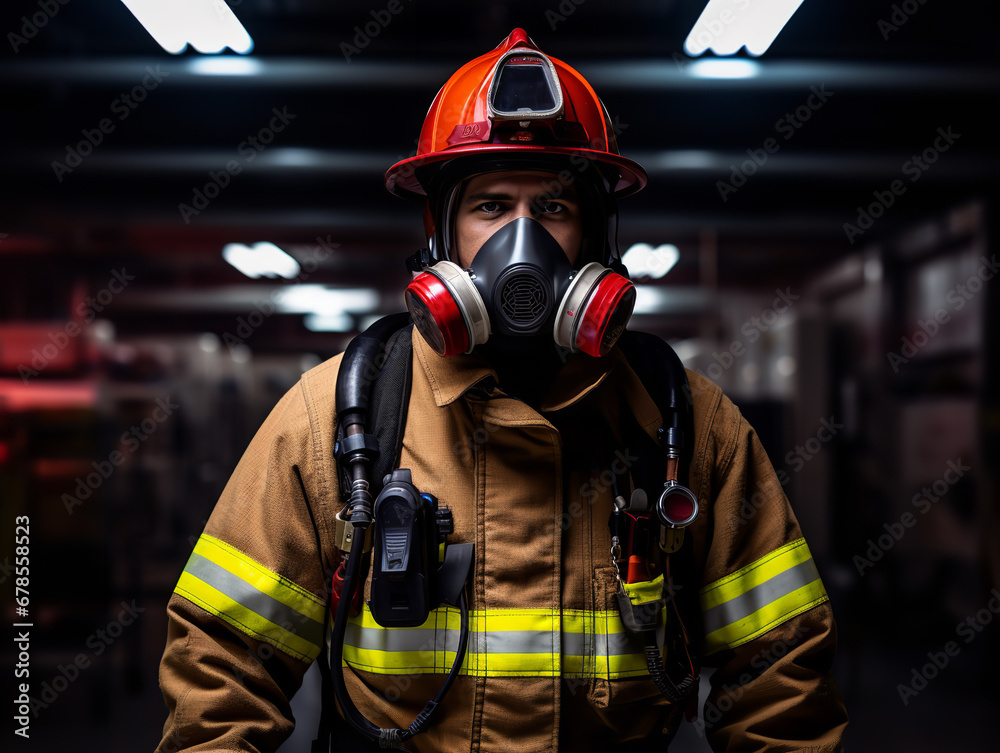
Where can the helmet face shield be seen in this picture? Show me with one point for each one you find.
(525, 86)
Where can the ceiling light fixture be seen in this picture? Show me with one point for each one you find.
(724, 68)
(329, 322)
(225, 65)
(642, 260)
(727, 25)
(320, 299)
(209, 27)
(261, 260)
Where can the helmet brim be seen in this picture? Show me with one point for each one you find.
(401, 179)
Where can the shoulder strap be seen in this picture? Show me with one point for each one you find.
(388, 403)
(663, 375)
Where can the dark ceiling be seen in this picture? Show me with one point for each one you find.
(886, 93)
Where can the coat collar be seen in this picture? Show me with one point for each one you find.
(450, 378)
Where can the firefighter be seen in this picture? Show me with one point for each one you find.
(529, 421)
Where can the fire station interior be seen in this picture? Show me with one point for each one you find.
(183, 234)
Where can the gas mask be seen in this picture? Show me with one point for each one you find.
(520, 285)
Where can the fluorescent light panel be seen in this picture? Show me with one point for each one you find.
(642, 260)
(727, 25)
(319, 299)
(207, 25)
(261, 260)
(329, 322)
(225, 65)
(723, 68)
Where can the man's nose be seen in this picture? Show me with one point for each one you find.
(525, 208)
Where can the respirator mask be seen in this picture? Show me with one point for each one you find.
(520, 285)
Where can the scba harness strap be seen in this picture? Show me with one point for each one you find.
(664, 378)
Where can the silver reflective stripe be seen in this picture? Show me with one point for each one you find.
(256, 601)
(590, 644)
(499, 642)
(514, 642)
(760, 596)
(402, 639)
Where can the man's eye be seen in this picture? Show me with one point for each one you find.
(551, 207)
(490, 207)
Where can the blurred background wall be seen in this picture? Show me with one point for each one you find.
(829, 209)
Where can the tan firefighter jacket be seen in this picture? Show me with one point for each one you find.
(550, 665)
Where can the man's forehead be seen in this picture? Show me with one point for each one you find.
(508, 183)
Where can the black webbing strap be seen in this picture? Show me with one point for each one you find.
(389, 402)
(662, 374)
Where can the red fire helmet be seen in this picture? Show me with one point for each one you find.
(515, 102)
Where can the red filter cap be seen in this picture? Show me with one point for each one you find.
(606, 315)
(436, 315)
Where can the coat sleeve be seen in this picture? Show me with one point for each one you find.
(768, 626)
(246, 618)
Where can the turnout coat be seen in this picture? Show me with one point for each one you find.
(550, 665)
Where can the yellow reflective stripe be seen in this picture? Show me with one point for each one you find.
(232, 586)
(755, 573)
(243, 619)
(773, 589)
(502, 643)
(274, 585)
